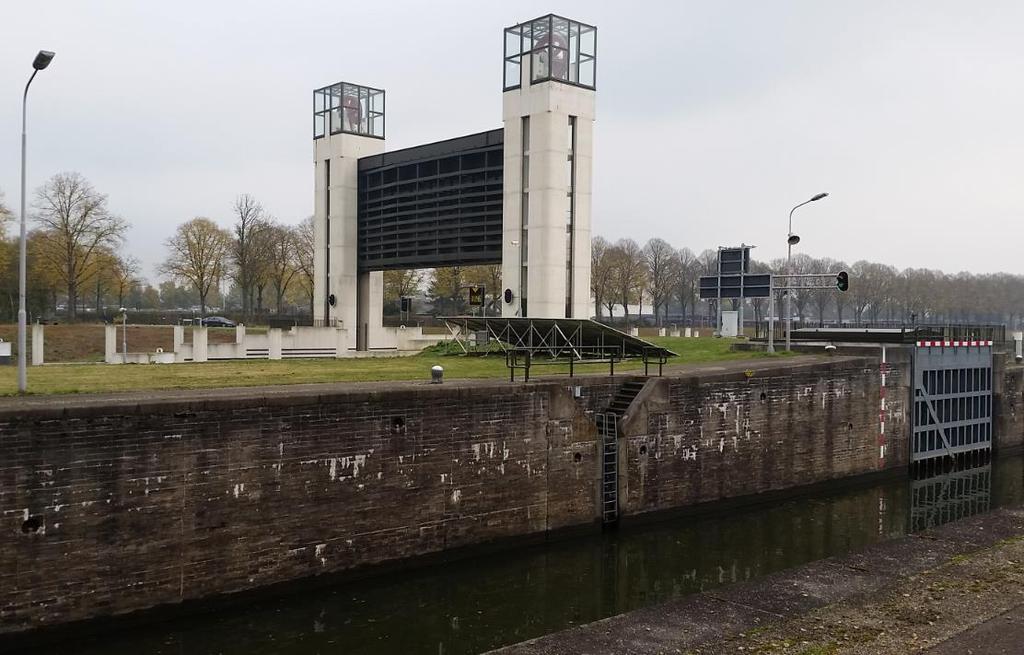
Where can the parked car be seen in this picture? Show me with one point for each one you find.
(218, 321)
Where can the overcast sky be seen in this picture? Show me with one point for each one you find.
(714, 118)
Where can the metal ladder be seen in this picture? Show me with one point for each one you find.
(607, 429)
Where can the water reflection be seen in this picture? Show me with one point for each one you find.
(950, 497)
(493, 600)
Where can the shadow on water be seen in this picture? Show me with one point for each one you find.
(501, 598)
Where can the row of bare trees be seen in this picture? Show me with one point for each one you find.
(261, 256)
(77, 255)
(74, 248)
(665, 281)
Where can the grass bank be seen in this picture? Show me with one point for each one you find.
(96, 378)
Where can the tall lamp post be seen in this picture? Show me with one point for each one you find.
(41, 61)
(792, 240)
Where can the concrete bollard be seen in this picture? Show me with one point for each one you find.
(37, 344)
(661, 332)
(689, 332)
(200, 351)
(110, 355)
(240, 333)
(274, 336)
(1018, 338)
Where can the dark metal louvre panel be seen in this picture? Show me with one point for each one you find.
(438, 204)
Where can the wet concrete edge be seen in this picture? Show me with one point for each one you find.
(702, 618)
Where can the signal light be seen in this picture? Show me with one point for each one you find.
(843, 281)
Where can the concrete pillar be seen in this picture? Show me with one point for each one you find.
(689, 332)
(179, 337)
(536, 234)
(661, 332)
(674, 332)
(274, 337)
(342, 341)
(370, 311)
(199, 343)
(240, 334)
(37, 344)
(110, 344)
(336, 232)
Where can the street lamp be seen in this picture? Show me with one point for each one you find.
(124, 335)
(41, 61)
(792, 240)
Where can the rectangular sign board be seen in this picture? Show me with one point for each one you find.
(735, 286)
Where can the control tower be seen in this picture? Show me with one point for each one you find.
(548, 111)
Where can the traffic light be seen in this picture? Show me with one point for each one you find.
(843, 281)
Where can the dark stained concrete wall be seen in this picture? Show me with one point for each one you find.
(706, 439)
(141, 502)
(1008, 405)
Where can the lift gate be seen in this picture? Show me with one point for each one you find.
(952, 395)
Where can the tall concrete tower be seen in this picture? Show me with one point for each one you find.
(548, 112)
(348, 123)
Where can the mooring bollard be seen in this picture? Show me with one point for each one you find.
(436, 374)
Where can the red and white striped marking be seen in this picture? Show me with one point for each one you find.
(952, 344)
(881, 414)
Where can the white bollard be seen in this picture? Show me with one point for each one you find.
(37, 344)
(110, 355)
(1018, 338)
(200, 350)
(275, 337)
(689, 332)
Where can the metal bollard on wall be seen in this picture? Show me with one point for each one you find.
(436, 374)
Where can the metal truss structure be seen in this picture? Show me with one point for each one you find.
(528, 342)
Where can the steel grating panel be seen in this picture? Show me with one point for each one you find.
(574, 338)
(434, 205)
(952, 394)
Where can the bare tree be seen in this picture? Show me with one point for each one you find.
(75, 226)
(304, 257)
(629, 273)
(687, 280)
(402, 284)
(198, 253)
(126, 276)
(662, 265)
(245, 249)
(600, 275)
(280, 266)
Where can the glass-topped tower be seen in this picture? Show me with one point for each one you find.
(548, 109)
(348, 123)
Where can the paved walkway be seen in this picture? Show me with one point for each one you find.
(283, 391)
(957, 589)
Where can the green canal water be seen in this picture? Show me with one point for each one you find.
(477, 604)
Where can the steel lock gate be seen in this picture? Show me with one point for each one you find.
(952, 396)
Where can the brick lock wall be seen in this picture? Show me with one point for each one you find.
(710, 439)
(1008, 406)
(108, 507)
(159, 503)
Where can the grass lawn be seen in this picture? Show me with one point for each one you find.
(94, 378)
